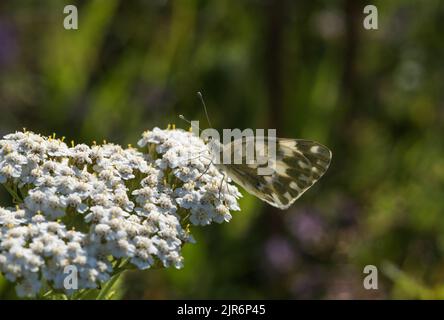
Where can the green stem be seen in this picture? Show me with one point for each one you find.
(107, 291)
(13, 193)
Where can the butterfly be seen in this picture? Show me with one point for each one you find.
(298, 164)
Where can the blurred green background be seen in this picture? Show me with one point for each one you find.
(307, 68)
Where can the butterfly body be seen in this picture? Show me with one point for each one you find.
(296, 165)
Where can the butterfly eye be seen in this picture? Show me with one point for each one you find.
(208, 139)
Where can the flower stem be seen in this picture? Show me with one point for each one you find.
(13, 193)
(108, 291)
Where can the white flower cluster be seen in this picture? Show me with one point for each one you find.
(199, 187)
(100, 207)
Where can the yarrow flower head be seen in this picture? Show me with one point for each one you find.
(104, 208)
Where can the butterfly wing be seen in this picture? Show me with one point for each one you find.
(298, 165)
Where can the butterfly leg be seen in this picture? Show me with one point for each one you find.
(206, 170)
(194, 157)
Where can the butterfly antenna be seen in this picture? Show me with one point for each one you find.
(184, 119)
(205, 107)
(187, 121)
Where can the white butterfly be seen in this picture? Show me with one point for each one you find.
(298, 165)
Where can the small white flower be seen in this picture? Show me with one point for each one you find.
(81, 154)
(56, 148)
(201, 216)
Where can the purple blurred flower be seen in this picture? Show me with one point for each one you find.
(8, 43)
(307, 226)
(280, 253)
